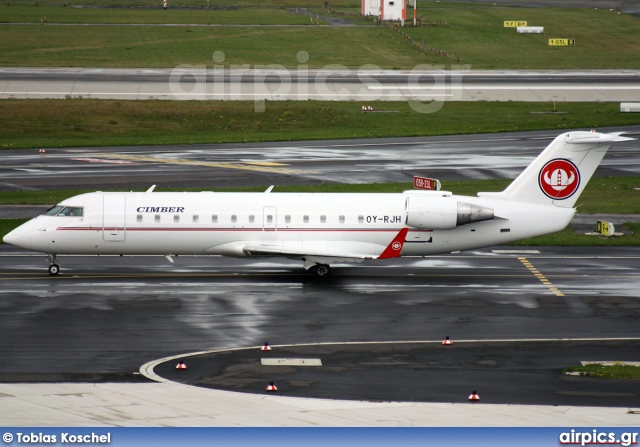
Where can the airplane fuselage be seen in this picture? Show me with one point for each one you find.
(321, 229)
(226, 223)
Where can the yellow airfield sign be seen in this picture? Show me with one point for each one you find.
(562, 42)
(514, 23)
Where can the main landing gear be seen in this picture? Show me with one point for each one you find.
(54, 267)
(321, 270)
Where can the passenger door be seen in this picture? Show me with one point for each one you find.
(114, 228)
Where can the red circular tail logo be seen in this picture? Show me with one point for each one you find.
(559, 179)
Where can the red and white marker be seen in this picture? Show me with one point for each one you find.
(271, 387)
(266, 347)
(42, 151)
(181, 365)
(447, 341)
(473, 397)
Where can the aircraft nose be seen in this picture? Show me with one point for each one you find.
(18, 240)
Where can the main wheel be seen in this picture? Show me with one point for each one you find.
(323, 270)
(54, 269)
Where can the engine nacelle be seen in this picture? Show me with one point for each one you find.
(432, 212)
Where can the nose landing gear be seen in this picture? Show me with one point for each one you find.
(54, 267)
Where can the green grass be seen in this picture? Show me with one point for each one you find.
(616, 371)
(475, 34)
(74, 122)
(254, 15)
(569, 238)
(611, 195)
(159, 47)
(183, 3)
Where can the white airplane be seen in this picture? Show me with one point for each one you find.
(321, 229)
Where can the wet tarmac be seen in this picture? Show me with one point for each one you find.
(108, 315)
(486, 156)
(523, 372)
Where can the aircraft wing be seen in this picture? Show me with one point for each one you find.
(310, 257)
(320, 253)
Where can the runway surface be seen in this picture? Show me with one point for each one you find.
(483, 156)
(422, 84)
(109, 315)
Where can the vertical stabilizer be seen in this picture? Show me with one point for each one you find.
(560, 173)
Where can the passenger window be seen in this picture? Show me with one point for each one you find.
(157, 218)
(323, 219)
(252, 218)
(341, 218)
(234, 218)
(196, 218)
(139, 218)
(214, 218)
(287, 218)
(176, 218)
(53, 211)
(305, 218)
(360, 219)
(269, 218)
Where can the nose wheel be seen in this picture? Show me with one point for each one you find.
(54, 267)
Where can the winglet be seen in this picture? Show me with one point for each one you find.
(395, 247)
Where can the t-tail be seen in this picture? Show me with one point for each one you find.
(560, 173)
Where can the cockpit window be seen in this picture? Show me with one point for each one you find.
(54, 210)
(74, 211)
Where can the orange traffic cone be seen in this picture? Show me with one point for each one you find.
(473, 397)
(447, 341)
(266, 347)
(181, 365)
(271, 387)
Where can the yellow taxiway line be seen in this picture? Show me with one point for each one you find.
(543, 279)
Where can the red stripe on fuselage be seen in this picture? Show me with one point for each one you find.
(320, 230)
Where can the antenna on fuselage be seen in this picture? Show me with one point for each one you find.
(269, 189)
(152, 188)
